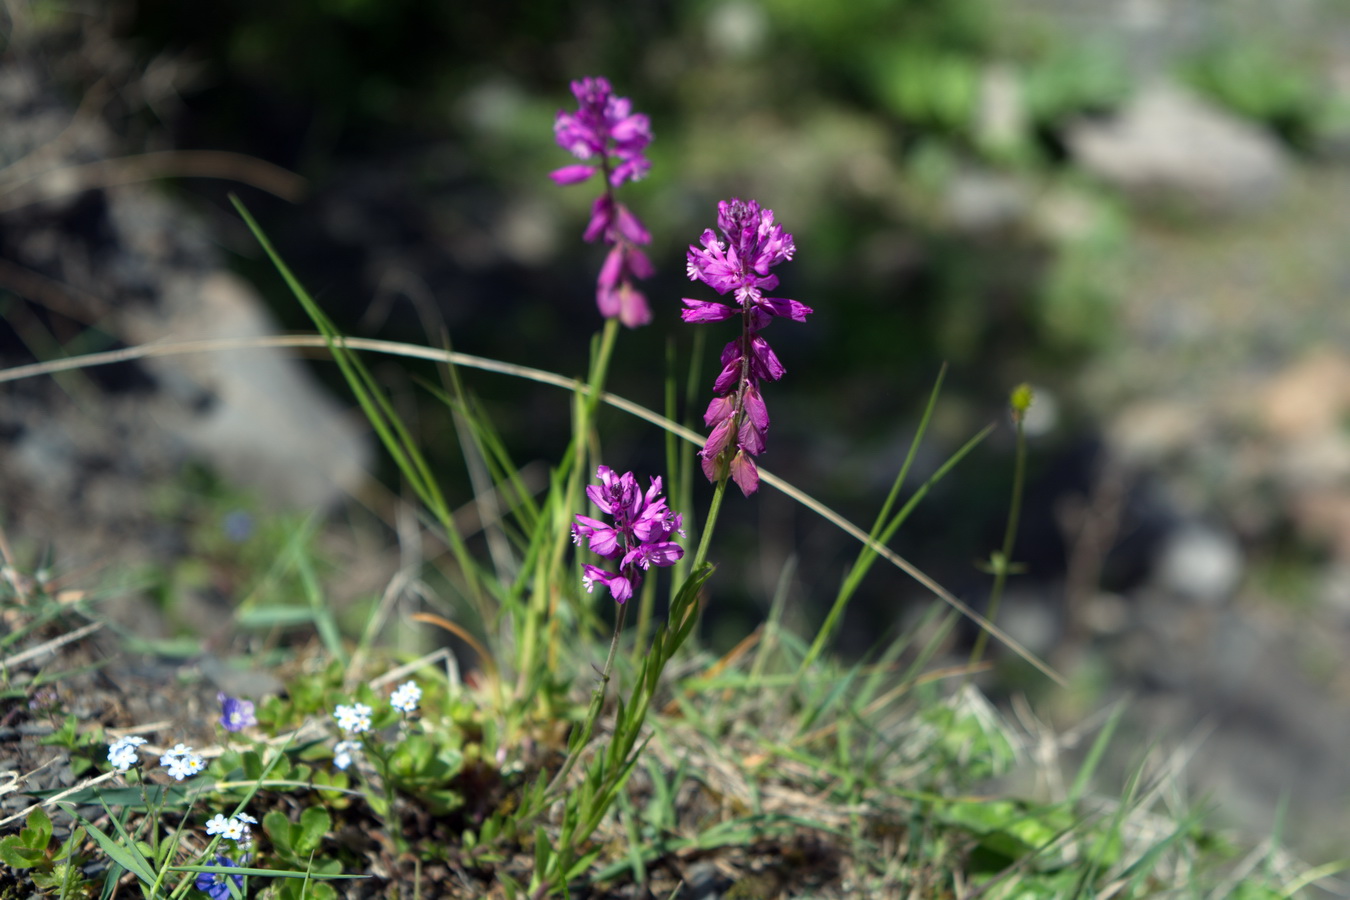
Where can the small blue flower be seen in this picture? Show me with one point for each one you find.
(238, 526)
(354, 718)
(235, 714)
(343, 753)
(235, 828)
(405, 697)
(122, 752)
(181, 762)
(214, 885)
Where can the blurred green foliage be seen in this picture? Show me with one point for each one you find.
(1262, 83)
(1075, 78)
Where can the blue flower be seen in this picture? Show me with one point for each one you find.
(236, 828)
(354, 718)
(214, 884)
(122, 752)
(405, 697)
(235, 714)
(181, 762)
(343, 753)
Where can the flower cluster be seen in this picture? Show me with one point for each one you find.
(235, 714)
(406, 697)
(122, 753)
(182, 762)
(236, 828)
(354, 718)
(605, 128)
(737, 415)
(639, 538)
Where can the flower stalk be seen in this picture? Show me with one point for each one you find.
(605, 129)
(739, 265)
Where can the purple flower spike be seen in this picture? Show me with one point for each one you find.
(605, 128)
(739, 265)
(641, 536)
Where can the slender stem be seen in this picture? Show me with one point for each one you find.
(705, 539)
(400, 841)
(1003, 564)
(597, 705)
(545, 598)
(613, 647)
(646, 608)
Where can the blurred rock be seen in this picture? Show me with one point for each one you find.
(86, 455)
(980, 200)
(1149, 432)
(260, 420)
(1029, 620)
(1308, 399)
(1200, 563)
(1302, 411)
(1169, 148)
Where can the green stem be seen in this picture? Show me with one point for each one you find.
(705, 539)
(597, 705)
(543, 603)
(1003, 563)
(381, 757)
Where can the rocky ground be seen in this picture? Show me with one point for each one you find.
(1228, 395)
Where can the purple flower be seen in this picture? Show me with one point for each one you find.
(639, 538)
(235, 714)
(604, 127)
(740, 266)
(214, 885)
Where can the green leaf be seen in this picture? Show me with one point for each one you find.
(126, 857)
(252, 765)
(71, 847)
(280, 831)
(159, 796)
(1094, 756)
(16, 855)
(315, 873)
(67, 735)
(273, 616)
(314, 824)
(38, 830)
(582, 865)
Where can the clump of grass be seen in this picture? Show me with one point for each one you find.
(538, 770)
